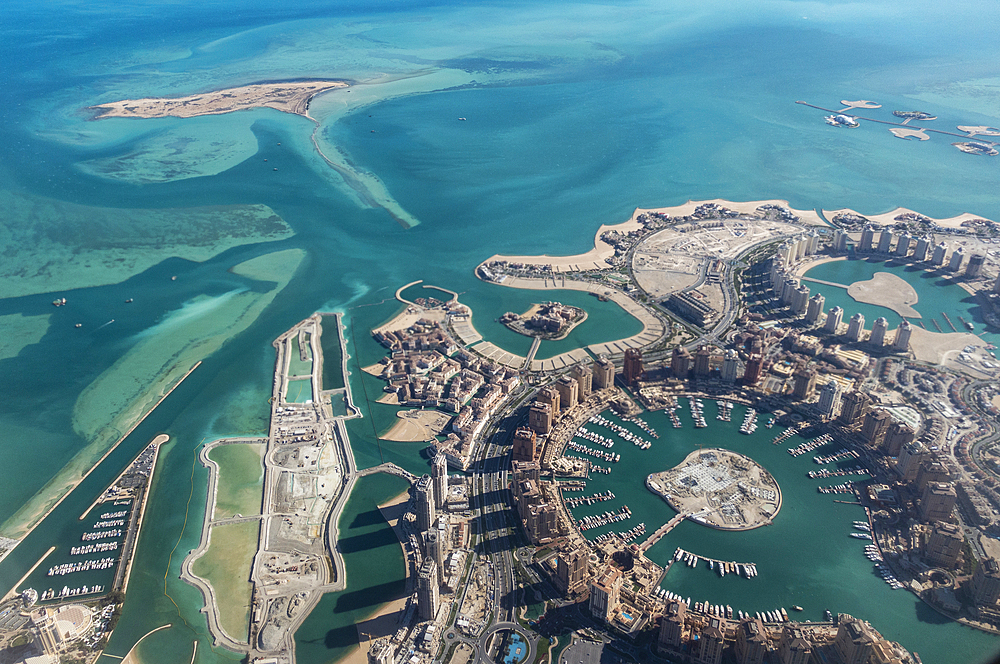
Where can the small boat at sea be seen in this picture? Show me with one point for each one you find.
(58, 302)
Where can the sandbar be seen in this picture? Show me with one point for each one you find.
(886, 290)
(288, 97)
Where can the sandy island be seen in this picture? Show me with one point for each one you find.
(288, 97)
(886, 290)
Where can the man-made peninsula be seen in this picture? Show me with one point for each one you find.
(288, 97)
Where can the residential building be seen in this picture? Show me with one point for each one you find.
(424, 490)
(853, 407)
(879, 328)
(632, 370)
(902, 341)
(833, 320)
(856, 327)
(680, 362)
(937, 502)
(428, 601)
(604, 373)
(730, 366)
(975, 267)
(829, 399)
(439, 473)
(874, 426)
(604, 593)
(524, 444)
(944, 545)
(569, 393)
(540, 418)
(815, 309)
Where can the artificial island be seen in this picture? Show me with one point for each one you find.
(516, 544)
(720, 489)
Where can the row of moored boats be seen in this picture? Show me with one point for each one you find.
(81, 566)
(101, 534)
(810, 445)
(598, 520)
(748, 570)
(100, 547)
(749, 422)
(590, 500)
(71, 592)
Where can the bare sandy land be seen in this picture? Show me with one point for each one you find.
(407, 318)
(886, 290)
(934, 346)
(290, 97)
(595, 258)
(415, 426)
(390, 398)
(889, 218)
(907, 133)
(374, 369)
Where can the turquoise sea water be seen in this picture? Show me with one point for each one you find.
(575, 115)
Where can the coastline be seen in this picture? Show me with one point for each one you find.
(384, 620)
(595, 259)
(889, 218)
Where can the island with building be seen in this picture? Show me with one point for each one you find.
(720, 489)
(548, 320)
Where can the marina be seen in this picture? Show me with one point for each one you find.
(723, 567)
(810, 445)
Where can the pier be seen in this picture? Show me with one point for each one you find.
(948, 320)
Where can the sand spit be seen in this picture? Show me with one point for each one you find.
(415, 426)
(288, 97)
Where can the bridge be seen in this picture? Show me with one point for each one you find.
(663, 530)
(391, 469)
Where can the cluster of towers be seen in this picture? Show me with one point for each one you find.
(918, 250)
(431, 494)
(569, 390)
(789, 290)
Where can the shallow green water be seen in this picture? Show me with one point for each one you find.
(375, 572)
